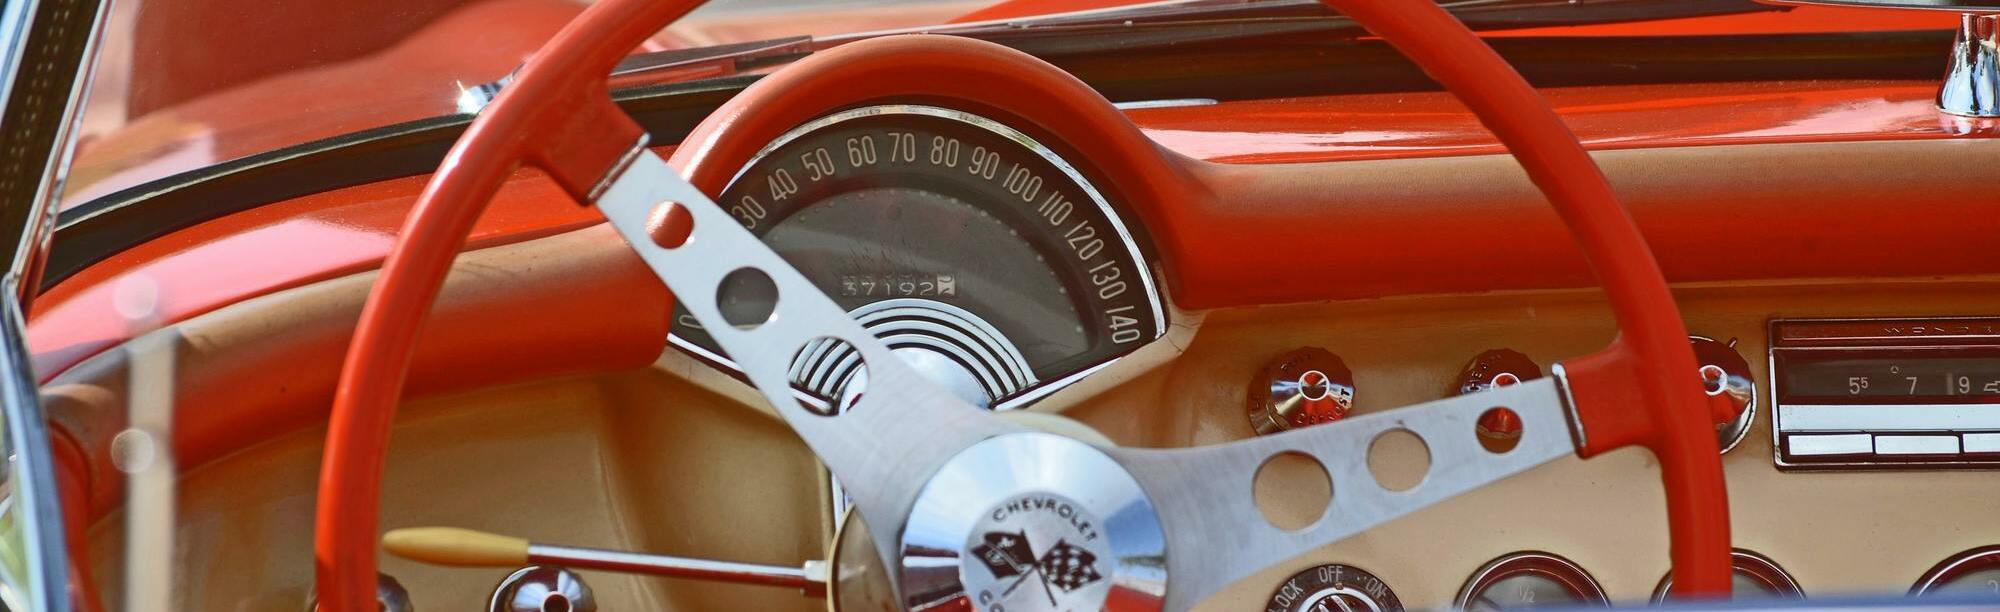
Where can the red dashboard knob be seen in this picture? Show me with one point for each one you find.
(1304, 387)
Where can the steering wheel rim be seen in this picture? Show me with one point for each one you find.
(557, 115)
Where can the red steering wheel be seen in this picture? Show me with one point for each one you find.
(557, 115)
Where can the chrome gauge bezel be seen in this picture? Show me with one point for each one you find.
(1975, 559)
(1747, 563)
(1124, 235)
(1572, 576)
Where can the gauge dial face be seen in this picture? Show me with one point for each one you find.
(1530, 579)
(1753, 577)
(972, 250)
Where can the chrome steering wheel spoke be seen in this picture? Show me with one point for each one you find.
(1216, 535)
(887, 443)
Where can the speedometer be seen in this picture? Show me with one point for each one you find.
(976, 253)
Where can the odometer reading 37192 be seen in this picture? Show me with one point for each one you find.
(971, 248)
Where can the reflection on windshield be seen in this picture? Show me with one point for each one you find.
(184, 84)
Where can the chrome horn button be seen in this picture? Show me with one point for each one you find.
(1033, 521)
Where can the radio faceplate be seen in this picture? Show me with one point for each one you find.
(1885, 393)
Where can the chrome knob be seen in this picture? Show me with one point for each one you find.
(1972, 75)
(390, 596)
(543, 588)
(1726, 374)
(1304, 387)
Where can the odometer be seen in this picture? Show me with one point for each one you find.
(974, 251)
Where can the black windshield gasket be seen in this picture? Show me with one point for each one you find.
(1279, 67)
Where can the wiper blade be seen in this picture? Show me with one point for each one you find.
(1163, 24)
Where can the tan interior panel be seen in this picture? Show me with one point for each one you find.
(635, 461)
(645, 460)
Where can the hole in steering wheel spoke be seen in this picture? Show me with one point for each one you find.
(747, 298)
(1399, 459)
(1498, 430)
(1292, 490)
(832, 373)
(670, 225)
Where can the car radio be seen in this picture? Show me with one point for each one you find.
(1886, 393)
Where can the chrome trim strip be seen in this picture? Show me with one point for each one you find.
(1568, 400)
(31, 253)
(1167, 103)
(618, 168)
(1771, 387)
(16, 18)
(31, 501)
(32, 492)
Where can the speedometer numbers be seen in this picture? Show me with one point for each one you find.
(945, 211)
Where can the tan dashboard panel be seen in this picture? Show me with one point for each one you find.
(649, 460)
(636, 461)
(657, 460)
(1864, 532)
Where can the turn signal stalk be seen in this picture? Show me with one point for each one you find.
(467, 548)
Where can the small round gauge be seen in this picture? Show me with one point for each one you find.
(1971, 574)
(1755, 576)
(1529, 580)
(1334, 588)
(971, 249)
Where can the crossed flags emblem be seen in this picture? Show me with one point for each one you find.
(1064, 566)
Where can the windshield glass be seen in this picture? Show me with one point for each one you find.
(184, 84)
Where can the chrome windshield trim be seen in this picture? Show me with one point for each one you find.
(15, 18)
(34, 568)
(32, 498)
(32, 248)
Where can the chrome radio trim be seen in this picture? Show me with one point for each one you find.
(1972, 425)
